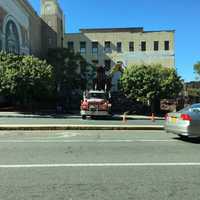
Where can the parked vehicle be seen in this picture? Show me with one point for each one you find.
(95, 103)
(185, 122)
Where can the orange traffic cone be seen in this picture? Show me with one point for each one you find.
(124, 118)
(153, 117)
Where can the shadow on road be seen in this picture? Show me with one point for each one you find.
(188, 139)
(107, 118)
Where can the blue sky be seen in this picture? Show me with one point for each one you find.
(180, 15)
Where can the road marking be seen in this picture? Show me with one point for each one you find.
(100, 165)
(69, 134)
(83, 141)
(44, 135)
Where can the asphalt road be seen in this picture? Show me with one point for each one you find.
(90, 165)
(76, 120)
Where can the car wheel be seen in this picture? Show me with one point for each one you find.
(183, 137)
(83, 116)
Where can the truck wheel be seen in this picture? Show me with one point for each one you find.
(83, 116)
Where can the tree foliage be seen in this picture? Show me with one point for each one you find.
(197, 69)
(72, 74)
(193, 92)
(71, 71)
(147, 83)
(24, 78)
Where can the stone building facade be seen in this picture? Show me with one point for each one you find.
(52, 14)
(129, 46)
(23, 31)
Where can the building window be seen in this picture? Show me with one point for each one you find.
(166, 45)
(83, 47)
(131, 46)
(50, 41)
(107, 47)
(143, 46)
(95, 62)
(119, 47)
(94, 48)
(1, 45)
(48, 8)
(49, 23)
(107, 64)
(156, 45)
(70, 45)
(26, 38)
(61, 26)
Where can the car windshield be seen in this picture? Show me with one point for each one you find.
(96, 96)
(194, 106)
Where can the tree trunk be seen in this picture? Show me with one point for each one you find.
(155, 106)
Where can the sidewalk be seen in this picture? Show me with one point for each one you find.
(27, 115)
(6, 117)
(141, 117)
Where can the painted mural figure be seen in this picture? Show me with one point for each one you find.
(12, 38)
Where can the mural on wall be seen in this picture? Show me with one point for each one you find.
(3, 13)
(24, 35)
(12, 38)
(1, 47)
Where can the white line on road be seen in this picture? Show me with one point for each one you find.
(101, 165)
(83, 141)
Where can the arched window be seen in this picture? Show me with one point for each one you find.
(12, 38)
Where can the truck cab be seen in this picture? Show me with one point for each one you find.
(95, 103)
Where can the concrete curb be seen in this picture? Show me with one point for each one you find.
(40, 116)
(78, 127)
(137, 117)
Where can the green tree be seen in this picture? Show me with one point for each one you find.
(35, 78)
(25, 79)
(148, 84)
(197, 70)
(71, 73)
(9, 67)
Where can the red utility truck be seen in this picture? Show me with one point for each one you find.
(95, 103)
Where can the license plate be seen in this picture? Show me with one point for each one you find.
(92, 108)
(173, 120)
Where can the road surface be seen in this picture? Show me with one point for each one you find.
(96, 165)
